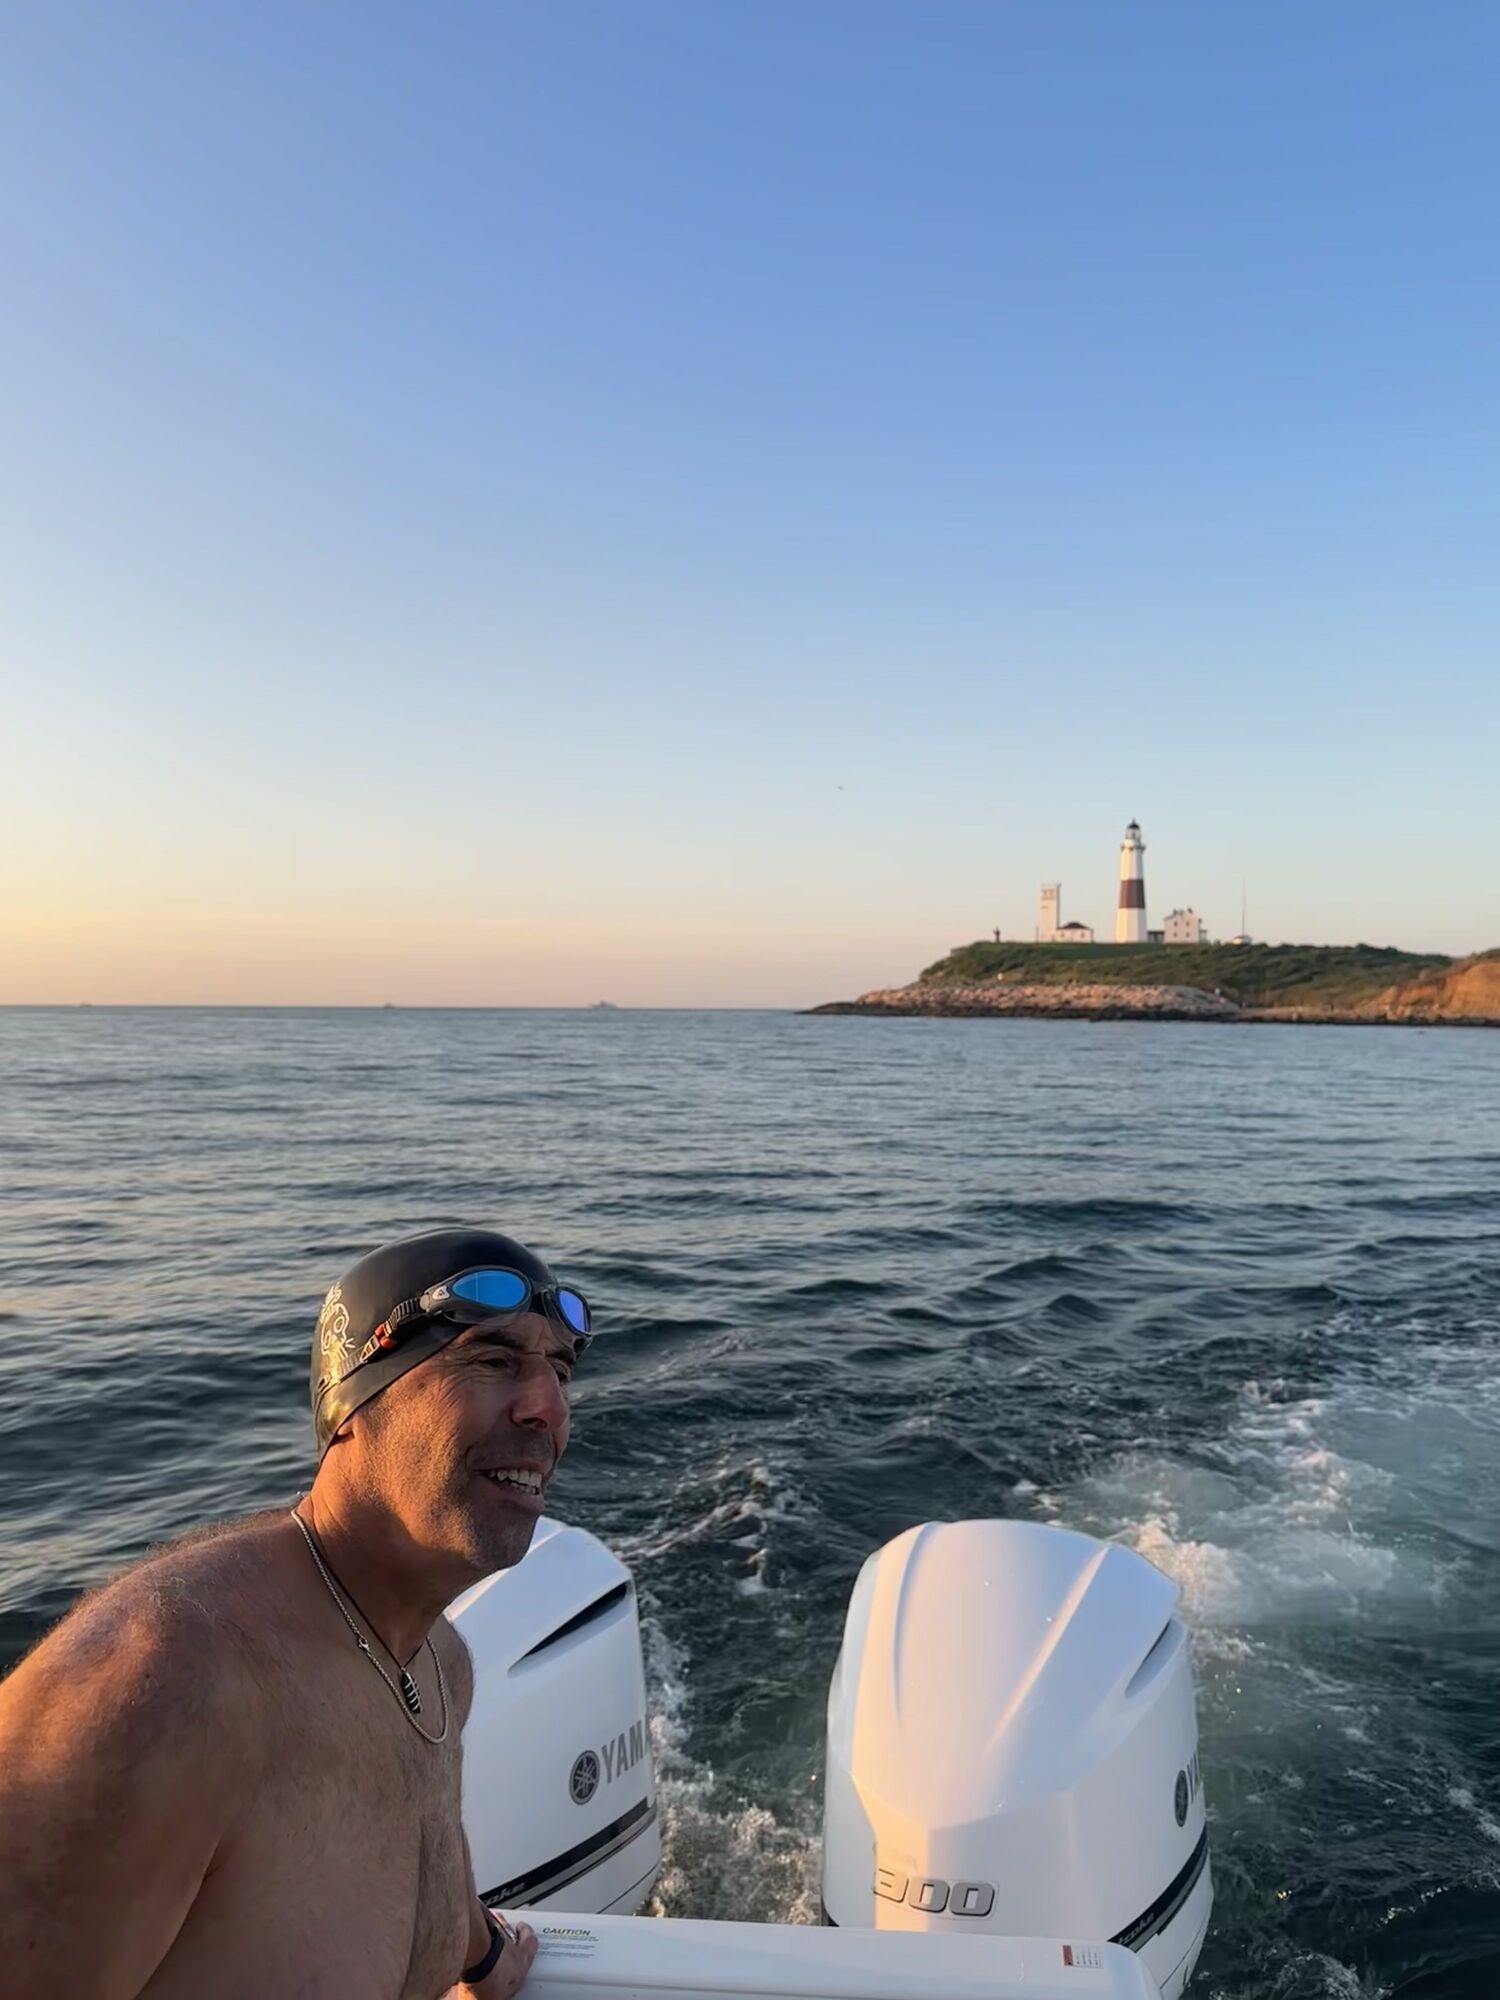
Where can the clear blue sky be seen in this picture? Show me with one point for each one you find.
(714, 501)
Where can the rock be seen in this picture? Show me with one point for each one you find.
(1094, 1003)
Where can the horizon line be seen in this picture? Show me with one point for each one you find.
(387, 1007)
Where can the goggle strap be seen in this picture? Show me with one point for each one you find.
(389, 1331)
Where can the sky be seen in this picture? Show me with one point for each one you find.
(711, 502)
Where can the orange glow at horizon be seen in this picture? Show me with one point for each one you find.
(160, 957)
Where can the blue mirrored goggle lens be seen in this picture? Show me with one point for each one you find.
(499, 1291)
(574, 1311)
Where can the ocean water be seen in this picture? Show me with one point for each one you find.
(1230, 1295)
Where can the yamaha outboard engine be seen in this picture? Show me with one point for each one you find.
(559, 1798)
(1013, 1746)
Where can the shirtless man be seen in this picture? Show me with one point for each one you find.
(233, 1773)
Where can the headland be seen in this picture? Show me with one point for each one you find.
(1335, 985)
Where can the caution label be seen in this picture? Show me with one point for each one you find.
(1086, 1955)
(566, 1941)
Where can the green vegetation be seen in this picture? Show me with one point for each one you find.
(1253, 975)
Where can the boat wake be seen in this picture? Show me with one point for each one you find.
(719, 1857)
(1337, 1555)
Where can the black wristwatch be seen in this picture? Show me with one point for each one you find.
(472, 1974)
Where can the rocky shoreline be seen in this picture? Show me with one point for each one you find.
(951, 999)
(948, 998)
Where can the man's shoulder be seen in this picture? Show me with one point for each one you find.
(212, 1584)
(177, 1630)
(132, 1741)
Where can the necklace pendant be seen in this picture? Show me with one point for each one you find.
(411, 1694)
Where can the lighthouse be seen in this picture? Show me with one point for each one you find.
(1130, 918)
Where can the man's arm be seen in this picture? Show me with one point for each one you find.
(516, 1956)
(515, 1959)
(121, 1746)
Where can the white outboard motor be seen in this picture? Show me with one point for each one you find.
(559, 1793)
(1013, 1746)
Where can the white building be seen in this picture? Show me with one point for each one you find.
(1184, 927)
(1050, 928)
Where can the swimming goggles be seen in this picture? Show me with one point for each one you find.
(478, 1295)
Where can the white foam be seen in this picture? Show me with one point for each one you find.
(755, 1585)
(1310, 1532)
(1286, 1523)
(1338, 1981)
(760, 1499)
(719, 1858)
(1462, 1797)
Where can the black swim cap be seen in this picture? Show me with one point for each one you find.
(373, 1288)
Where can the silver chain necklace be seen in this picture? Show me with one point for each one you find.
(408, 1694)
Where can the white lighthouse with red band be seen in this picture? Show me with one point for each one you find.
(1130, 918)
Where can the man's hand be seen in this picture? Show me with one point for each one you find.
(510, 1968)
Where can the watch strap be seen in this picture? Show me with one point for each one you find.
(472, 1974)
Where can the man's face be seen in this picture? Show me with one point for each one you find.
(493, 1402)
